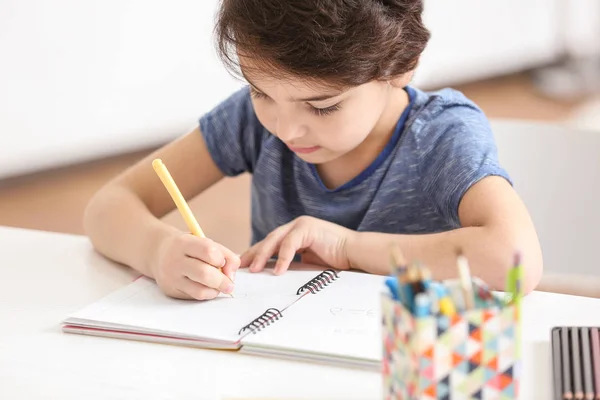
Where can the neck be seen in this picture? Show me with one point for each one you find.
(384, 129)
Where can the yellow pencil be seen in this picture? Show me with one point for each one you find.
(183, 207)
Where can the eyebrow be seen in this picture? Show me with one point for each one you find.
(321, 97)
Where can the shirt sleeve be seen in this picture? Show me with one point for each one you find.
(233, 134)
(457, 150)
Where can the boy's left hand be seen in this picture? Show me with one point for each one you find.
(319, 242)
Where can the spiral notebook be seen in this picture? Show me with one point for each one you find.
(311, 315)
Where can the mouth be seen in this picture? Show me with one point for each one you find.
(304, 150)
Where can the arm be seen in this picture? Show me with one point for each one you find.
(123, 219)
(495, 224)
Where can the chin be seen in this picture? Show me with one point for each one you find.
(317, 158)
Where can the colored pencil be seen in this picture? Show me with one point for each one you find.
(517, 277)
(596, 357)
(577, 376)
(183, 207)
(588, 387)
(430, 289)
(399, 269)
(414, 278)
(456, 294)
(556, 360)
(397, 259)
(566, 364)
(392, 284)
(465, 280)
(517, 287)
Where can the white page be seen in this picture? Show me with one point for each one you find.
(341, 320)
(142, 307)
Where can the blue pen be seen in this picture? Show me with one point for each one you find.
(431, 291)
(392, 283)
(408, 295)
(422, 304)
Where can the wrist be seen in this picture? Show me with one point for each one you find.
(157, 237)
(370, 252)
(352, 249)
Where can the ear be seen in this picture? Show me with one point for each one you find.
(402, 80)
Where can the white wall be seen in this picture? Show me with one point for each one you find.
(81, 79)
(474, 39)
(84, 79)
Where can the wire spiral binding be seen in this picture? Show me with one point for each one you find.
(319, 282)
(265, 319)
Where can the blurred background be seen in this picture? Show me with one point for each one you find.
(89, 88)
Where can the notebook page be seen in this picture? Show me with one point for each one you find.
(343, 320)
(142, 307)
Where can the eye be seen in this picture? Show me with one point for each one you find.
(321, 112)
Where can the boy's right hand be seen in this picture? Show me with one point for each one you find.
(187, 267)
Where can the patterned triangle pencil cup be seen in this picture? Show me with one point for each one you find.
(470, 354)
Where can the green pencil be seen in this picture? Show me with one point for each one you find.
(517, 278)
(516, 286)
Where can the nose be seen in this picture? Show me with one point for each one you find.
(288, 128)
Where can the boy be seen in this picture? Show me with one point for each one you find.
(346, 158)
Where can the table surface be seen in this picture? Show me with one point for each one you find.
(45, 276)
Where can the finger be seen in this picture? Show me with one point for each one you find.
(294, 241)
(207, 275)
(264, 251)
(197, 291)
(232, 262)
(260, 253)
(204, 249)
(248, 256)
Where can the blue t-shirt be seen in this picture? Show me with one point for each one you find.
(442, 145)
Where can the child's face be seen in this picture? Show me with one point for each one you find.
(317, 123)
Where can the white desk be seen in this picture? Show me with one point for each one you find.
(45, 276)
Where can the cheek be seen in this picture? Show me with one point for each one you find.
(266, 115)
(351, 126)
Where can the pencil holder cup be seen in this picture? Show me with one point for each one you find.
(471, 355)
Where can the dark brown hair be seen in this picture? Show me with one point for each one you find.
(344, 43)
